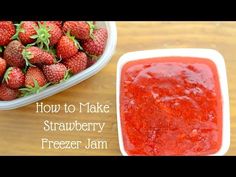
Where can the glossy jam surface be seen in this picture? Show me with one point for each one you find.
(170, 106)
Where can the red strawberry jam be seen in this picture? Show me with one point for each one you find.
(171, 106)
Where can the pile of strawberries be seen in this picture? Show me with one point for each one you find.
(34, 55)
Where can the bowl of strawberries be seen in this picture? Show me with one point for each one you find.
(41, 58)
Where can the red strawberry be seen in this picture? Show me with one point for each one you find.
(12, 54)
(48, 34)
(14, 77)
(34, 55)
(96, 45)
(7, 94)
(7, 30)
(3, 66)
(67, 47)
(55, 72)
(55, 33)
(24, 32)
(76, 63)
(34, 73)
(58, 23)
(79, 29)
(35, 82)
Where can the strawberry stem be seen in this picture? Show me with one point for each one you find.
(77, 44)
(6, 75)
(67, 75)
(92, 57)
(42, 37)
(92, 27)
(18, 30)
(29, 90)
(27, 56)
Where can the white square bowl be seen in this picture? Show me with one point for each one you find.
(102, 62)
(211, 54)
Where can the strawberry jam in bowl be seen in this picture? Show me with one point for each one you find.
(173, 102)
